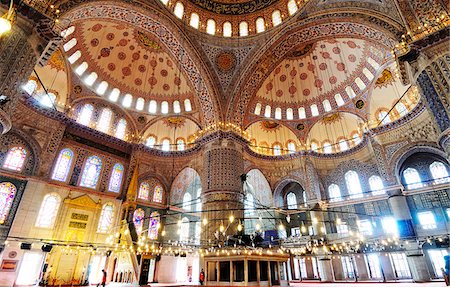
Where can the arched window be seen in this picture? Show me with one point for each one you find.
(45, 99)
(180, 144)
(314, 146)
(121, 129)
(106, 218)
(353, 184)
(74, 57)
(211, 27)
(144, 191)
(368, 74)
(326, 105)
(384, 117)
(276, 149)
(138, 220)
(350, 92)
(292, 7)
(356, 139)
(91, 79)
(165, 146)
(127, 100)
(104, 122)
(48, 211)
(267, 111)
(439, 172)
(81, 68)
(334, 192)
(176, 107)
(194, 21)
(376, 185)
(7, 194)
(15, 158)
(85, 115)
(151, 140)
(401, 109)
(327, 148)
(276, 18)
(157, 193)
(179, 10)
(91, 172)
(314, 110)
(114, 95)
(373, 63)
(153, 107)
(291, 200)
(187, 105)
(243, 29)
(339, 100)
(227, 30)
(30, 87)
(164, 107)
(165, 2)
(278, 113)
(184, 230)
(258, 109)
(153, 225)
(412, 178)
(70, 44)
(289, 114)
(187, 201)
(63, 164)
(361, 85)
(140, 102)
(343, 145)
(116, 178)
(101, 88)
(260, 25)
(301, 113)
(291, 147)
(65, 33)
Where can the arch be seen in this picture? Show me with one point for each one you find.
(243, 29)
(227, 29)
(48, 211)
(152, 21)
(194, 22)
(276, 18)
(260, 25)
(353, 184)
(188, 181)
(257, 185)
(158, 193)
(178, 10)
(91, 172)
(211, 27)
(15, 158)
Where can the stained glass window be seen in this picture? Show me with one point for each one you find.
(138, 220)
(48, 211)
(104, 121)
(85, 115)
(15, 158)
(106, 218)
(291, 201)
(412, 178)
(334, 192)
(153, 226)
(7, 193)
(121, 129)
(91, 172)
(63, 164)
(116, 178)
(353, 184)
(376, 185)
(439, 172)
(144, 191)
(157, 193)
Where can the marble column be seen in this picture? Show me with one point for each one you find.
(222, 193)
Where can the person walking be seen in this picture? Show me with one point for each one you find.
(103, 279)
(202, 277)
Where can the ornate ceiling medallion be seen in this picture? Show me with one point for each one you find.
(303, 51)
(225, 61)
(332, 118)
(174, 122)
(270, 126)
(359, 104)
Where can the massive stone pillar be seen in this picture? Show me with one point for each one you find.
(222, 194)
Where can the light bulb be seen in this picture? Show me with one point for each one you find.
(231, 218)
(221, 228)
(258, 227)
(5, 25)
(281, 226)
(205, 221)
(239, 228)
(338, 221)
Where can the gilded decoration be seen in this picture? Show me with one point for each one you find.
(359, 104)
(233, 8)
(270, 126)
(56, 61)
(148, 43)
(174, 122)
(332, 118)
(384, 79)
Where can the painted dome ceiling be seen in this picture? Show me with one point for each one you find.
(129, 60)
(320, 71)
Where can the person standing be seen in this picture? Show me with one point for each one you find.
(202, 277)
(103, 278)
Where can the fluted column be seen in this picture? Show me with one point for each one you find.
(222, 188)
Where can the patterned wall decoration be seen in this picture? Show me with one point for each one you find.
(151, 23)
(188, 180)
